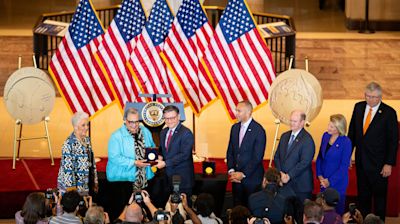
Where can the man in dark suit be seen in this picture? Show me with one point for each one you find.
(374, 132)
(176, 143)
(245, 154)
(294, 157)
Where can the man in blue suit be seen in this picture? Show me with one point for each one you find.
(245, 154)
(176, 144)
(294, 157)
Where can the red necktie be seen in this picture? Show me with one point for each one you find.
(168, 139)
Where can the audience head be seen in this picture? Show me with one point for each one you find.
(329, 198)
(293, 210)
(95, 215)
(313, 212)
(372, 219)
(297, 120)
(70, 201)
(204, 204)
(131, 118)
(373, 94)
(337, 125)
(171, 116)
(243, 111)
(80, 123)
(177, 218)
(239, 215)
(34, 207)
(134, 213)
(271, 176)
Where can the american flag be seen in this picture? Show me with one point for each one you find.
(238, 59)
(145, 61)
(73, 66)
(186, 42)
(117, 46)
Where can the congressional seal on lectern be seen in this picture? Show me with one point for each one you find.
(152, 114)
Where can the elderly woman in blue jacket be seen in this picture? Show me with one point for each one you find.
(334, 159)
(127, 166)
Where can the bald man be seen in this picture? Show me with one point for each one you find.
(294, 156)
(245, 154)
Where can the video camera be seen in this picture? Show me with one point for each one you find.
(161, 215)
(176, 195)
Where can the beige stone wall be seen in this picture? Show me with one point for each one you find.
(385, 10)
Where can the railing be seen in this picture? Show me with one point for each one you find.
(281, 47)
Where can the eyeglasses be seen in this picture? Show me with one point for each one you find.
(371, 97)
(170, 118)
(132, 122)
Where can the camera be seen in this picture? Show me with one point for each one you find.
(49, 193)
(258, 221)
(176, 195)
(161, 215)
(137, 196)
(352, 209)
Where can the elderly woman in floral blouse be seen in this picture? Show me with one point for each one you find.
(77, 166)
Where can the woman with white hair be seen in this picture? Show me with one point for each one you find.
(77, 166)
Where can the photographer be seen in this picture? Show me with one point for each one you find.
(96, 215)
(204, 206)
(33, 211)
(329, 199)
(133, 212)
(352, 216)
(67, 208)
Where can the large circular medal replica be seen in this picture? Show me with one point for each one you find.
(152, 114)
(29, 95)
(295, 89)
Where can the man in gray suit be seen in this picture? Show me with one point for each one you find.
(294, 156)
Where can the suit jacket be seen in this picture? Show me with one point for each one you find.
(296, 163)
(178, 159)
(334, 163)
(268, 204)
(249, 156)
(379, 144)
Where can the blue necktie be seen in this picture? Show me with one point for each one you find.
(291, 141)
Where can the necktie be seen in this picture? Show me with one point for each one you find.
(367, 121)
(241, 134)
(291, 141)
(168, 140)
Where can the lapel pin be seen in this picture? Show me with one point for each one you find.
(297, 140)
(337, 145)
(249, 129)
(379, 111)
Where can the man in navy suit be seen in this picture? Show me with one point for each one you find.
(294, 156)
(176, 143)
(245, 154)
(374, 132)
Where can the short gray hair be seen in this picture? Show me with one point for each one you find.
(130, 110)
(77, 117)
(373, 86)
(94, 215)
